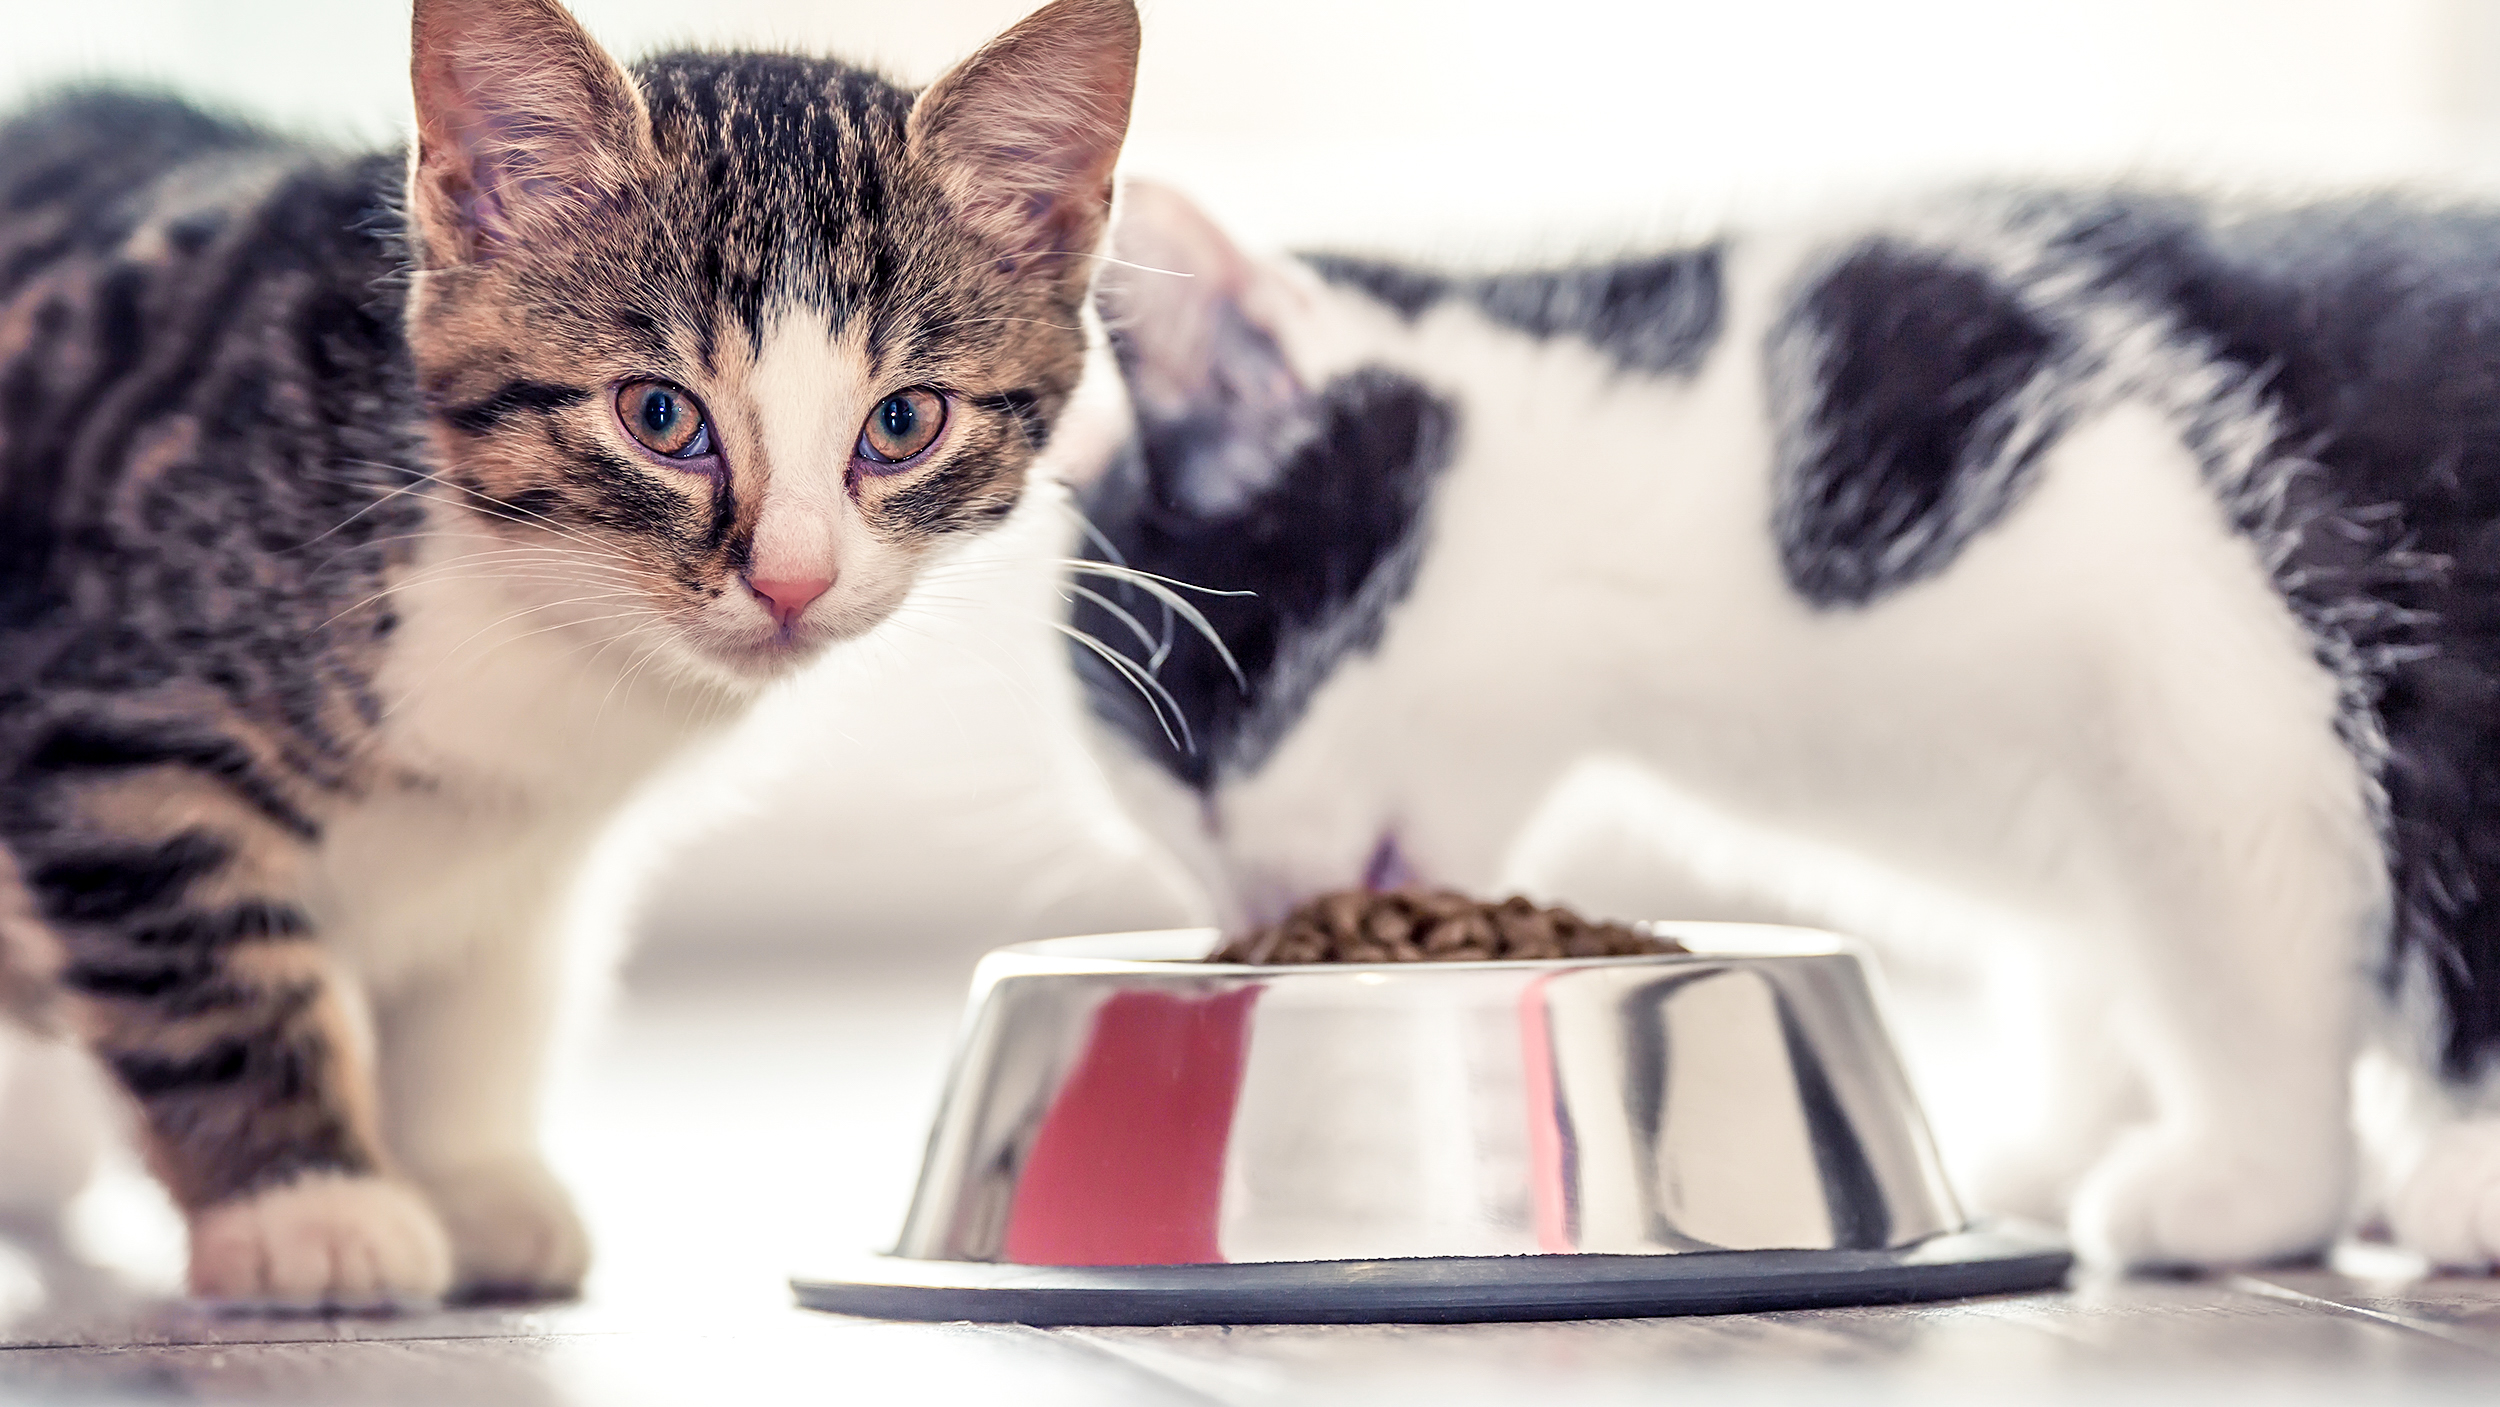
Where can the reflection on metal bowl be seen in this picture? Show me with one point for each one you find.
(1116, 1103)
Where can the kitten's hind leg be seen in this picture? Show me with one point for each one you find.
(2439, 1142)
(2436, 1131)
(2446, 1204)
(191, 969)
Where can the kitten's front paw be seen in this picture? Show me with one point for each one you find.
(2448, 1207)
(323, 1241)
(2167, 1200)
(514, 1233)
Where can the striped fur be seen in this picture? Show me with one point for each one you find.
(268, 414)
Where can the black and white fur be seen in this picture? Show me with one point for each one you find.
(2105, 579)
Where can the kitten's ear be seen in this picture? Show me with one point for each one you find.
(1024, 133)
(1219, 407)
(523, 123)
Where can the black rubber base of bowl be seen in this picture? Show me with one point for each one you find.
(1997, 1258)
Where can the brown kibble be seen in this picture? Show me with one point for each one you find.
(1342, 913)
(1433, 925)
(1388, 923)
(1528, 932)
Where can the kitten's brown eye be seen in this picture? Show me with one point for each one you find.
(902, 425)
(664, 418)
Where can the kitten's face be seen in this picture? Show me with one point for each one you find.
(748, 337)
(1285, 450)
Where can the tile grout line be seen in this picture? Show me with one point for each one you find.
(2249, 1284)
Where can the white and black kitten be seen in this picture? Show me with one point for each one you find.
(2112, 579)
(372, 525)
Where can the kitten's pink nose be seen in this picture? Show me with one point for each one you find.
(785, 599)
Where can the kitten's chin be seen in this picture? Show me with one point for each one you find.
(750, 667)
(767, 657)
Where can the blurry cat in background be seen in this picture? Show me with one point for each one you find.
(354, 569)
(2117, 575)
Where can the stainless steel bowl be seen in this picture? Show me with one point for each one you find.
(1116, 1103)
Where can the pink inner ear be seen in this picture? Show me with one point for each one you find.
(521, 116)
(512, 166)
(1031, 126)
(1186, 309)
(470, 174)
(1175, 274)
(1046, 189)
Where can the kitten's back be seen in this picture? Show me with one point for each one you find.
(88, 151)
(193, 311)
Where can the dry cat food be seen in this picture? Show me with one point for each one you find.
(1433, 925)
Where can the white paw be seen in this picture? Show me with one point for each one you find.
(514, 1233)
(2167, 1200)
(324, 1241)
(2448, 1207)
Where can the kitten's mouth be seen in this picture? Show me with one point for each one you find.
(773, 653)
(749, 642)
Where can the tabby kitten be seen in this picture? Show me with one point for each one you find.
(2099, 583)
(370, 525)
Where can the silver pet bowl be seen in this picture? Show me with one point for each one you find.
(1130, 1136)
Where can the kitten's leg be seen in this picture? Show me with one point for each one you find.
(2239, 992)
(2440, 1139)
(53, 1126)
(2079, 1091)
(464, 1059)
(193, 972)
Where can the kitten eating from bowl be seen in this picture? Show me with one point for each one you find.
(2097, 582)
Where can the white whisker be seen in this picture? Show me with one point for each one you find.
(1136, 674)
(1161, 589)
(1162, 648)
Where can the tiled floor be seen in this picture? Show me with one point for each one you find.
(733, 1126)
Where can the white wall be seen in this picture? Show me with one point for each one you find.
(1466, 122)
(913, 792)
